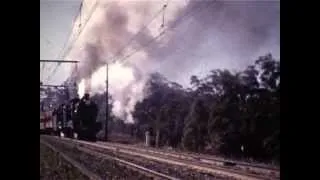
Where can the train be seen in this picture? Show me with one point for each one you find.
(47, 122)
(73, 119)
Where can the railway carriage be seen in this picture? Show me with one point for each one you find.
(73, 119)
(47, 123)
(64, 123)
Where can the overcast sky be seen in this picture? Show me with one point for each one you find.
(223, 34)
(240, 18)
(56, 18)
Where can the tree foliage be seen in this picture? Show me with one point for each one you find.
(220, 113)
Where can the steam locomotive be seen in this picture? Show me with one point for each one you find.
(76, 119)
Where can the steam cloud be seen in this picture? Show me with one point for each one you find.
(199, 36)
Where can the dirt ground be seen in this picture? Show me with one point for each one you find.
(54, 167)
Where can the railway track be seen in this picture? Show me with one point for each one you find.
(174, 159)
(74, 163)
(145, 171)
(148, 172)
(202, 159)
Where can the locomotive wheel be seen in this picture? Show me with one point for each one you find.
(87, 135)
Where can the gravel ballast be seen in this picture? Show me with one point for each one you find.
(54, 167)
(172, 170)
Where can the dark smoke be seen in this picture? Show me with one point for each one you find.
(109, 34)
(92, 53)
(201, 36)
(222, 34)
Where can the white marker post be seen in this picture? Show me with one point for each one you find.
(147, 138)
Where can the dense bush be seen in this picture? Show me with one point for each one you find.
(232, 113)
(235, 114)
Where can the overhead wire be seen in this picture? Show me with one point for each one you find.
(72, 29)
(179, 21)
(126, 57)
(143, 46)
(81, 30)
(185, 15)
(140, 31)
(83, 27)
(67, 42)
(136, 35)
(180, 49)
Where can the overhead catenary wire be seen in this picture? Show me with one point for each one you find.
(70, 32)
(143, 46)
(187, 14)
(180, 49)
(61, 54)
(107, 83)
(83, 27)
(125, 57)
(80, 15)
(162, 10)
(81, 30)
(172, 28)
(146, 45)
(140, 31)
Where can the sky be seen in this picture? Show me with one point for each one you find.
(196, 37)
(56, 21)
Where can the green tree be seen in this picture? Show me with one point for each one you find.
(195, 133)
(221, 112)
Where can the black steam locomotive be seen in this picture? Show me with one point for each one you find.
(77, 119)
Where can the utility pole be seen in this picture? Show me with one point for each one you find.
(55, 86)
(107, 103)
(58, 61)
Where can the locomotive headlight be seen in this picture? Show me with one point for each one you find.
(60, 127)
(75, 135)
(61, 134)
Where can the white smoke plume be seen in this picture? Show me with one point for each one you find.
(115, 23)
(198, 36)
